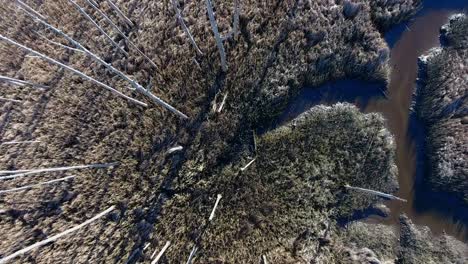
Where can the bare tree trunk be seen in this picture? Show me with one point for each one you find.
(21, 82)
(135, 85)
(218, 198)
(18, 142)
(219, 41)
(59, 44)
(9, 100)
(121, 33)
(121, 14)
(28, 8)
(36, 171)
(168, 243)
(184, 27)
(53, 238)
(78, 7)
(235, 27)
(381, 194)
(36, 185)
(77, 72)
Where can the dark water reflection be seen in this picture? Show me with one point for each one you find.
(408, 41)
(357, 92)
(424, 208)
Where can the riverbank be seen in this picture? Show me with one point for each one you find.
(441, 105)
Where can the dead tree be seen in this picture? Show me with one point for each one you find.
(80, 9)
(36, 171)
(77, 72)
(59, 44)
(17, 143)
(21, 82)
(235, 27)
(120, 13)
(219, 41)
(381, 194)
(28, 8)
(161, 253)
(180, 19)
(10, 100)
(134, 84)
(113, 25)
(22, 188)
(54, 238)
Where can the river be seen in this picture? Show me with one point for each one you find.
(407, 41)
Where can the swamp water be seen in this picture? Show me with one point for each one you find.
(407, 41)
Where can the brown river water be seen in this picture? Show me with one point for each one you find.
(407, 41)
(420, 35)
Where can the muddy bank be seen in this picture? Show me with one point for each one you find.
(442, 106)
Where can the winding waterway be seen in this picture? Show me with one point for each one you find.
(407, 41)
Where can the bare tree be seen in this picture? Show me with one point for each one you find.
(134, 84)
(18, 142)
(218, 198)
(78, 7)
(59, 44)
(36, 171)
(235, 27)
(28, 8)
(10, 100)
(36, 185)
(54, 238)
(381, 194)
(77, 72)
(113, 25)
(120, 13)
(180, 19)
(168, 243)
(219, 41)
(21, 82)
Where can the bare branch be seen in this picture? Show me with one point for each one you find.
(10, 100)
(80, 9)
(174, 149)
(13, 171)
(222, 103)
(53, 238)
(168, 243)
(264, 259)
(219, 41)
(35, 185)
(77, 72)
(121, 33)
(19, 142)
(235, 27)
(21, 82)
(381, 194)
(184, 27)
(135, 85)
(36, 171)
(192, 254)
(121, 14)
(28, 8)
(59, 44)
(248, 165)
(214, 208)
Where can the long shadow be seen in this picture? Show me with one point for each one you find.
(353, 91)
(393, 35)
